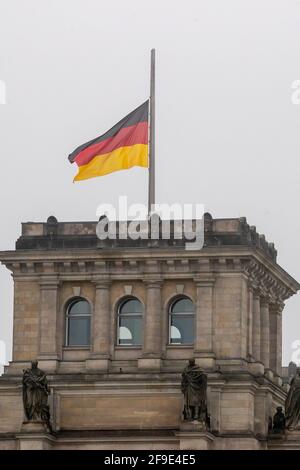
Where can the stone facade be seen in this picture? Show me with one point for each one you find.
(110, 396)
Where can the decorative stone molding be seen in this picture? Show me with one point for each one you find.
(48, 283)
(100, 266)
(76, 291)
(128, 290)
(266, 283)
(101, 282)
(204, 281)
(179, 288)
(266, 278)
(151, 282)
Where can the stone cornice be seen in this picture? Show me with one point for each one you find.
(263, 274)
(266, 284)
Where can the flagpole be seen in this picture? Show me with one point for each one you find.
(151, 186)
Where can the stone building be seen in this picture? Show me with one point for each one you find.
(113, 323)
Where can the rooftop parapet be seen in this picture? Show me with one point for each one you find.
(54, 235)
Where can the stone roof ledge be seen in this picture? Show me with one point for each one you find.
(73, 235)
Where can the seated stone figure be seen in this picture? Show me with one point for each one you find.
(278, 421)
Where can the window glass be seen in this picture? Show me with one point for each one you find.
(79, 331)
(130, 323)
(79, 307)
(78, 323)
(182, 322)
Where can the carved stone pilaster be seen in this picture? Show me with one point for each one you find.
(276, 309)
(101, 337)
(265, 332)
(152, 352)
(203, 344)
(48, 344)
(250, 322)
(256, 331)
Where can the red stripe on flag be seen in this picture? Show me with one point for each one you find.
(127, 136)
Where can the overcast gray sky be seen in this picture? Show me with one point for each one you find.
(227, 132)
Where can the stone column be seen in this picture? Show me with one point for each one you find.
(203, 343)
(279, 339)
(265, 332)
(256, 326)
(276, 338)
(250, 323)
(273, 337)
(48, 334)
(151, 354)
(100, 344)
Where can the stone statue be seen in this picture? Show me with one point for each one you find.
(292, 369)
(35, 395)
(278, 421)
(193, 387)
(292, 404)
(270, 425)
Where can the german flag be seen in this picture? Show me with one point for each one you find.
(125, 145)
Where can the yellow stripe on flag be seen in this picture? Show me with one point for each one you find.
(120, 159)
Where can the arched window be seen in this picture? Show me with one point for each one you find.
(182, 314)
(130, 322)
(78, 323)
